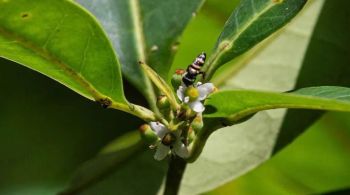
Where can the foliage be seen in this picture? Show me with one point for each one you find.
(91, 46)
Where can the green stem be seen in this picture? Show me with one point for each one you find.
(198, 145)
(136, 110)
(176, 170)
(201, 138)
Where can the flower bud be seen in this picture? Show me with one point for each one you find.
(176, 79)
(197, 123)
(163, 102)
(191, 135)
(147, 134)
(185, 113)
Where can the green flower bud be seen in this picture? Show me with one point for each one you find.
(185, 113)
(197, 123)
(147, 134)
(163, 102)
(176, 79)
(191, 135)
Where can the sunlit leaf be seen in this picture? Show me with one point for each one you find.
(47, 131)
(144, 30)
(238, 104)
(61, 40)
(250, 23)
(273, 69)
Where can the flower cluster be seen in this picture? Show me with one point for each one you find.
(171, 141)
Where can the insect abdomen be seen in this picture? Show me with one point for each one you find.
(194, 69)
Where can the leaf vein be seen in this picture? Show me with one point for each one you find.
(46, 55)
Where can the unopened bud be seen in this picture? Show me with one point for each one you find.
(197, 123)
(185, 113)
(163, 102)
(147, 134)
(191, 135)
(176, 79)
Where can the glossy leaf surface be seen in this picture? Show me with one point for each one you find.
(238, 104)
(143, 30)
(61, 40)
(233, 151)
(250, 23)
(331, 38)
(47, 131)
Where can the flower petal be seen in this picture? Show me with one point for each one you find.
(181, 92)
(198, 84)
(159, 129)
(180, 149)
(204, 90)
(196, 106)
(162, 152)
(186, 99)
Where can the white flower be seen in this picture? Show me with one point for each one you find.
(193, 95)
(169, 141)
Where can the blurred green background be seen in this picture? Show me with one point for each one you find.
(47, 131)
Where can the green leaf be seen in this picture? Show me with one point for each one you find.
(64, 42)
(238, 104)
(235, 150)
(47, 131)
(140, 175)
(250, 23)
(112, 158)
(305, 166)
(143, 30)
(330, 37)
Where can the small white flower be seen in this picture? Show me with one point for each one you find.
(193, 95)
(169, 141)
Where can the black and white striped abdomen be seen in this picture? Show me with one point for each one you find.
(194, 69)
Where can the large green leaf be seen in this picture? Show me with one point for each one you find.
(140, 175)
(316, 162)
(112, 158)
(47, 131)
(122, 167)
(250, 23)
(238, 104)
(144, 30)
(233, 151)
(64, 42)
(330, 37)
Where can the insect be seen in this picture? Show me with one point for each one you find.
(194, 69)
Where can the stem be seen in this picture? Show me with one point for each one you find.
(198, 143)
(176, 169)
(136, 110)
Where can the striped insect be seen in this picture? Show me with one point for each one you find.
(193, 70)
